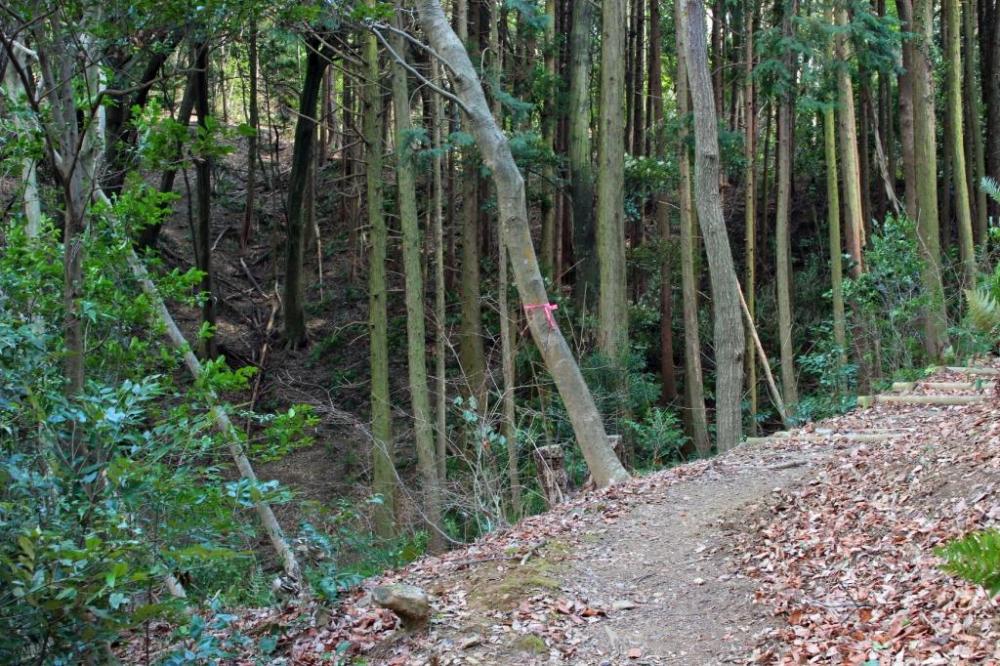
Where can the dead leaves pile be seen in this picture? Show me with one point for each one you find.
(848, 559)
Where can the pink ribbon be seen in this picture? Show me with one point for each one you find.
(547, 307)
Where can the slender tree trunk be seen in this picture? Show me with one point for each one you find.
(253, 151)
(587, 423)
(203, 228)
(783, 272)
(29, 166)
(750, 206)
(989, 21)
(423, 428)
(977, 156)
(612, 305)
(440, 333)
(549, 230)
(833, 226)
(384, 472)
(963, 206)
(727, 311)
(638, 87)
(580, 167)
(847, 125)
(925, 155)
(470, 340)
(302, 156)
(906, 134)
(693, 382)
(661, 207)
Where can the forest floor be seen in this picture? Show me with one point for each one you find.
(813, 548)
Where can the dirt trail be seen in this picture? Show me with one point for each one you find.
(668, 558)
(813, 548)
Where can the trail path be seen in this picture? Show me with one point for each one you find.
(816, 547)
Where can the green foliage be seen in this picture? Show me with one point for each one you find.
(284, 432)
(105, 493)
(886, 302)
(658, 439)
(976, 558)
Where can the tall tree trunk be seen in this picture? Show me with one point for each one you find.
(853, 207)
(384, 472)
(693, 380)
(470, 339)
(661, 207)
(638, 85)
(253, 111)
(976, 154)
(963, 206)
(580, 168)
(423, 429)
(203, 227)
(833, 227)
(750, 205)
(925, 155)
(440, 333)
(302, 156)
(989, 21)
(783, 271)
(549, 230)
(906, 134)
(612, 305)
(727, 311)
(587, 423)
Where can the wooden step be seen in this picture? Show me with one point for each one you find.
(813, 436)
(971, 370)
(907, 399)
(901, 387)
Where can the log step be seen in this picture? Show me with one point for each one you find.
(972, 370)
(870, 400)
(900, 387)
(812, 436)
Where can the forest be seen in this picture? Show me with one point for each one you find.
(297, 296)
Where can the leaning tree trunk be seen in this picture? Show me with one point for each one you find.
(727, 311)
(302, 156)
(423, 429)
(493, 145)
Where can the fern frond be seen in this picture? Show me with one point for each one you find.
(991, 187)
(976, 558)
(983, 310)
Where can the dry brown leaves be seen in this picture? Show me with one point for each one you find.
(848, 560)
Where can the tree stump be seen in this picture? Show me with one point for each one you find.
(552, 473)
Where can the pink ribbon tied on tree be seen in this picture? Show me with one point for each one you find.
(547, 307)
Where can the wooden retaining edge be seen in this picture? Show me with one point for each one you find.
(871, 400)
